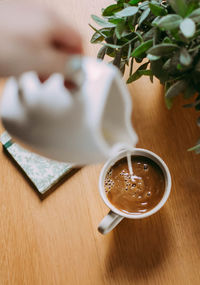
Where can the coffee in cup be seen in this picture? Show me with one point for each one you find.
(137, 193)
(134, 184)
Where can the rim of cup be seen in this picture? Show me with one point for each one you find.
(137, 152)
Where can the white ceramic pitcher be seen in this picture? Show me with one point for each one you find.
(84, 127)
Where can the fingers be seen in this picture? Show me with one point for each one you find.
(43, 78)
(51, 61)
(67, 83)
(65, 38)
(72, 70)
(65, 41)
(41, 43)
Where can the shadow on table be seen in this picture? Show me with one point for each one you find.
(189, 208)
(137, 248)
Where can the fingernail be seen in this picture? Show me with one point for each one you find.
(69, 84)
(74, 71)
(43, 78)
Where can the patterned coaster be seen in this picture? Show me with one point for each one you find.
(43, 173)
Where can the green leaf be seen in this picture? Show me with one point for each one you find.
(96, 38)
(197, 103)
(189, 92)
(197, 66)
(176, 89)
(129, 11)
(198, 121)
(134, 2)
(126, 4)
(132, 22)
(143, 66)
(157, 70)
(99, 35)
(117, 59)
(115, 20)
(169, 22)
(156, 35)
(138, 60)
(129, 51)
(122, 67)
(138, 74)
(102, 23)
(98, 31)
(191, 7)
(188, 105)
(157, 10)
(169, 103)
(144, 15)
(144, 5)
(142, 48)
(179, 6)
(131, 67)
(151, 78)
(195, 15)
(120, 29)
(163, 49)
(149, 35)
(196, 148)
(110, 52)
(152, 57)
(167, 40)
(155, 21)
(139, 36)
(195, 49)
(110, 10)
(179, 66)
(102, 52)
(185, 58)
(112, 45)
(167, 65)
(188, 28)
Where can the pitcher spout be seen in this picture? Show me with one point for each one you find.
(117, 129)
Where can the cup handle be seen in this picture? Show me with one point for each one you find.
(109, 222)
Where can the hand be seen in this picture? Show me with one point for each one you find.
(34, 38)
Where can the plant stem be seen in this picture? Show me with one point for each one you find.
(131, 67)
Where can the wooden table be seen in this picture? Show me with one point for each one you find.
(55, 241)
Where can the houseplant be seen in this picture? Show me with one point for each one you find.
(163, 36)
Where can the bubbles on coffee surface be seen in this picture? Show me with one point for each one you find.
(109, 182)
(135, 192)
(123, 181)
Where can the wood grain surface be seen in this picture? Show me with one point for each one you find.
(55, 241)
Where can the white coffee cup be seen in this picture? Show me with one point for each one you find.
(115, 216)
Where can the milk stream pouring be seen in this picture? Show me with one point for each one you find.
(85, 126)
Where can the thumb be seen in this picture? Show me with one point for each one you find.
(52, 61)
(68, 65)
